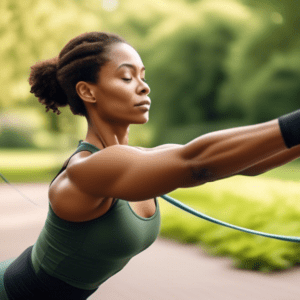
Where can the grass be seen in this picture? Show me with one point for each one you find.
(32, 175)
(31, 165)
(289, 172)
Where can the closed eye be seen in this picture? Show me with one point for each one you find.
(129, 79)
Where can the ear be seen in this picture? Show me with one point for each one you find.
(85, 91)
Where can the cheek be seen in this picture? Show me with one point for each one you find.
(115, 89)
(121, 94)
(114, 98)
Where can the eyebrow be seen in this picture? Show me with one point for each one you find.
(130, 66)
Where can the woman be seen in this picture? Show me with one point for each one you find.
(91, 233)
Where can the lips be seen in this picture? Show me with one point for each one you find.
(143, 102)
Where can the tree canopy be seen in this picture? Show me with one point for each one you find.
(206, 61)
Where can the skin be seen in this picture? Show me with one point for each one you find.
(267, 164)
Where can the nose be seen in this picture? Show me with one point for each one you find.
(144, 88)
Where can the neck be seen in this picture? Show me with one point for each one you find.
(103, 135)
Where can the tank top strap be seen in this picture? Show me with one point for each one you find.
(82, 146)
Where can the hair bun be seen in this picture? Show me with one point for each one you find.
(45, 86)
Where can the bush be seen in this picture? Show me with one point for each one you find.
(15, 138)
(267, 205)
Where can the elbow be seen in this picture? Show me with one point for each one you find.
(201, 175)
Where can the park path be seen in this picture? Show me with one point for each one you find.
(165, 271)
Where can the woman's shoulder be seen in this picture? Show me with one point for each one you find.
(69, 202)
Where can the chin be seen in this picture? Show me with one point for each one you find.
(141, 123)
(142, 119)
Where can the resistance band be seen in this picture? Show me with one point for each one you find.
(190, 210)
(205, 217)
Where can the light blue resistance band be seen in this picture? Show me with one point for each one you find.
(205, 217)
(202, 216)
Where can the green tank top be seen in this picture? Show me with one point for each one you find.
(85, 254)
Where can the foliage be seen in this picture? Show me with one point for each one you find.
(34, 30)
(185, 63)
(263, 66)
(184, 134)
(273, 90)
(189, 39)
(260, 204)
(17, 127)
(30, 33)
(207, 61)
(14, 138)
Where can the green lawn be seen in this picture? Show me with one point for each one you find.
(31, 165)
(290, 171)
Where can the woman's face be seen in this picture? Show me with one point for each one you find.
(121, 87)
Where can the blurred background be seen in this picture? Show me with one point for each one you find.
(211, 65)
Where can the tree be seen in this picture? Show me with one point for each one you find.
(34, 30)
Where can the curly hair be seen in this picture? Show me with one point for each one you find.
(53, 81)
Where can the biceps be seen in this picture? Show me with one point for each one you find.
(132, 175)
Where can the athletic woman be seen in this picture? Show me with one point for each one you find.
(103, 207)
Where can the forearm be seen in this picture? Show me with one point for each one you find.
(227, 152)
(272, 162)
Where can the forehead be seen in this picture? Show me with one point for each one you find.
(123, 53)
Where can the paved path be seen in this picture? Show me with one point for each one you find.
(165, 271)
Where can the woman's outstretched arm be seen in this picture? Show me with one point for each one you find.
(275, 161)
(289, 128)
(229, 152)
(272, 162)
(124, 172)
